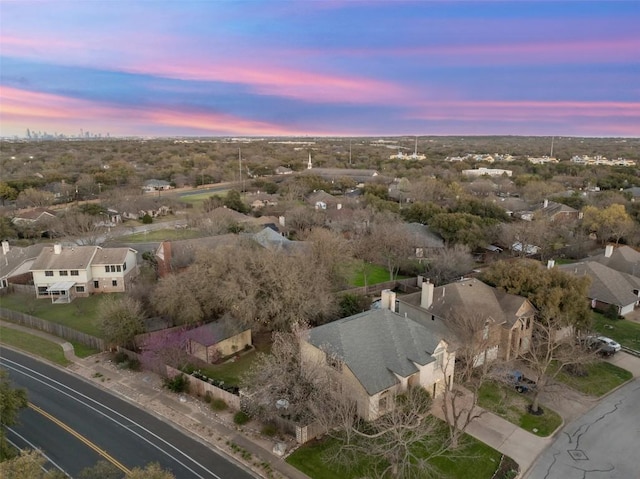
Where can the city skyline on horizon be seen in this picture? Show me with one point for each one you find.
(321, 69)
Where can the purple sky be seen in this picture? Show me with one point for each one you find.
(347, 68)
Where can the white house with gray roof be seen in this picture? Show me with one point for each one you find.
(64, 272)
(378, 354)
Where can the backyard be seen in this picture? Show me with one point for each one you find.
(367, 274)
(168, 234)
(80, 314)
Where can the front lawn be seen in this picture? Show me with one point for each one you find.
(506, 402)
(626, 332)
(601, 378)
(475, 461)
(199, 198)
(80, 314)
(33, 344)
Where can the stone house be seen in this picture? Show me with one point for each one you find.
(501, 322)
(378, 354)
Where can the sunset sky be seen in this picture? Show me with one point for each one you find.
(320, 68)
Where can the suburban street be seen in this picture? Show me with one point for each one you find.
(75, 423)
(603, 443)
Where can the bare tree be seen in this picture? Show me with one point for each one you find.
(449, 263)
(403, 442)
(120, 320)
(32, 197)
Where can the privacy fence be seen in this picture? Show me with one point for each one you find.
(59, 330)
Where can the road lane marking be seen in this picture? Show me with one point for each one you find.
(86, 400)
(81, 438)
(35, 448)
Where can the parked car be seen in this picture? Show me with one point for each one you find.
(603, 345)
(522, 383)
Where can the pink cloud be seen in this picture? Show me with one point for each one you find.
(524, 110)
(22, 109)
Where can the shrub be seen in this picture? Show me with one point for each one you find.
(147, 219)
(269, 430)
(241, 418)
(218, 405)
(177, 384)
(120, 357)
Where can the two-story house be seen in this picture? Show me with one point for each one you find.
(378, 354)
(62, 273)
(498, 324)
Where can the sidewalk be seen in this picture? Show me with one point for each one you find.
(193, 416)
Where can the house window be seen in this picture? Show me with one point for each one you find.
(64, 273)
(80, 289)
(106, 269)
(48, 273)
(74, 272)
(382, 403)
(42, 290)
(439, 360)
(114, 282)
(118, 268)
(113, 268)
(96, 284)
(124, 266)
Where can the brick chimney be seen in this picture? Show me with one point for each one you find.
(388, 300)
(608, 251)
(57, 248)
(426, 300)
(550, 264)
(545, 204)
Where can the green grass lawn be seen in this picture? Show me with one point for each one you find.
(83, 351)
(374, 274)
(231, 371)
(626, 332)
(198, 198)
(80, 314)
(34, 345)
(602, 377)
(475, 461)
(506, 402)
(169, 234)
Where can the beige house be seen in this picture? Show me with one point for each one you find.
(502, 322)
(378, 354)
(62, 273)
(216, 340)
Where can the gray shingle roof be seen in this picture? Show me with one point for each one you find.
(111, 256)
(607, 285)
(624, 259)
(77, 257)
(376, 345)
(16, 260)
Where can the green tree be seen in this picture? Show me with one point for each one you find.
(233, 201)
(609, 224)
(29, 464)
(101, 470)
(420, 212)
(11, 401)
(462, 228)
(120, 319)
(7, 192)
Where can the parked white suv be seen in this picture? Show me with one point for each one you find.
(609, 342)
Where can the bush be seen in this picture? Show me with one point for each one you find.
(269, 430)
(177, 384)
(241, 418)
(120, 357)
(147, 219)
(218, 405)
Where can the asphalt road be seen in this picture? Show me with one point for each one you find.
(76, 423)
(602, 444)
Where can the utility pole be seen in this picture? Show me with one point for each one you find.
(240, 169)
(349, 151)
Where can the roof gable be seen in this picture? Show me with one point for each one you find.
(376, 346)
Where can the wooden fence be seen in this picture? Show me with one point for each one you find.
(53, 328)
(409, 285)
(198, 387)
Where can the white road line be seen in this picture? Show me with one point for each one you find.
(15, 367)
(35, 448)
